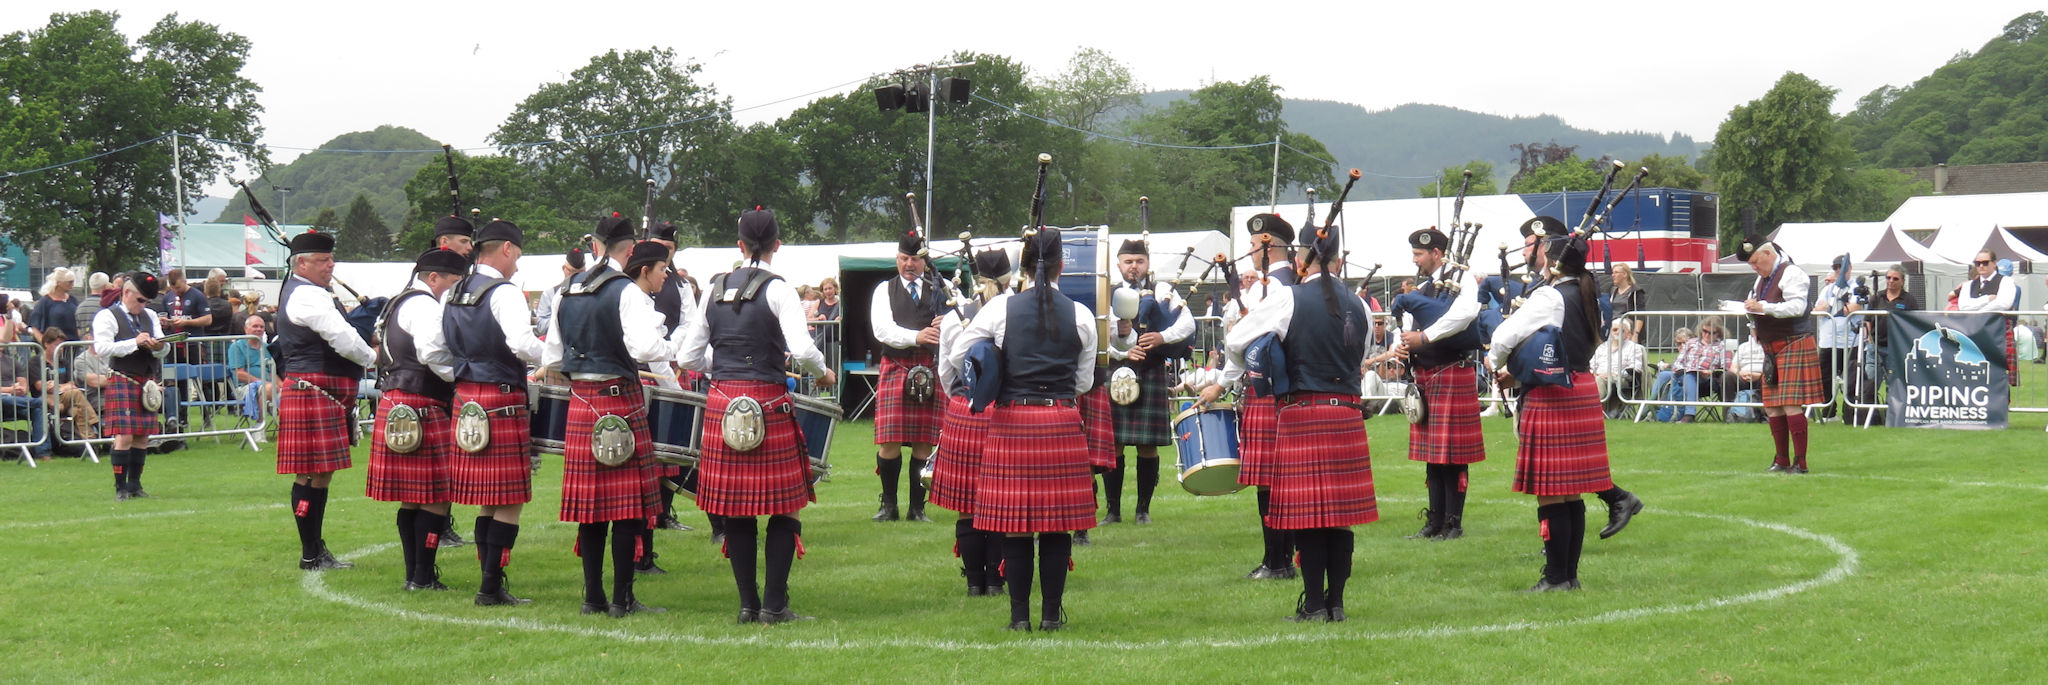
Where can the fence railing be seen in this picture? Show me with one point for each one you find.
(26, 404)
(1865, 380)
(201, 388)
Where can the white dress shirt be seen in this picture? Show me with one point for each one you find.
(508, 307)
(1250, 297)
(104, 328)
(1617, 355)
(882, 316)
(1273, 314)
(319, 315)
(1792, 283)
(1543, 307)
(1464, 308)
(992, 322)
(2001, 300)
(782, 299)
(638, 320)
(421, 317)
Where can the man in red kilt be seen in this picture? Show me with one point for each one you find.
(1272, 241)
(454, 234)
(409, 456)
(320, 362)
(489, 331)
(1561, 430)
(1036, 473)
(126, 336)
(1778, 305)
(754, 463)
(957, 464)
(604, 328)
(1145, 423)
(905, 315)
(673, 300)
(1321, 475)
(1441, 340)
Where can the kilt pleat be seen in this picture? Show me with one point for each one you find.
(1098, 425)
(1035, 475)
(313, 430)
(1322, 467)
(1563, 440)
(773, 478)
(896, 418)
(593, 492)
(1147, 421)
(2012, 357)
(503, 472)
(1255, 435)
(1799, 378)
(1452, 434)
(123, 413)
(422, 476)
(958, 461)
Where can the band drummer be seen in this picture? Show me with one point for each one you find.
(1272, 238)
(414, 432)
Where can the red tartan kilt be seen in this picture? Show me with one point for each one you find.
(896, 419)
(958, 462)
(422, 476)
(1800, 381)
(2012, 357)
(123, 413)
(1098, 423)
(1452, 434)
(1322, 469)
(593, 492)
(312, 430)
(1255, 435)
(1563, 438)
(773, 478)
(503, 472)
(1035, 475)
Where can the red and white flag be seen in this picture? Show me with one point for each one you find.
(251, 233)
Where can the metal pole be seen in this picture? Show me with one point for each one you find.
(931, 127)
(178, 199)
(1274, 193)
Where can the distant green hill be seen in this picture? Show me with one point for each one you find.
(331, 179)
(1986, 107)
(1420, 140)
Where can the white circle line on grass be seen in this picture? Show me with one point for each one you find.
(1843, 476)
(1848, 561)
(13, 525)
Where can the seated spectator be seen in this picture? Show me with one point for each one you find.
(21, 378)
(1618, 368)
(79, 384)
(245, 361)
(1745, 377)
(1697, 361)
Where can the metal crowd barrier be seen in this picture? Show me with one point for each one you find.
(1656, 331)
(31, 409)
(1864, 373)
(199, 388)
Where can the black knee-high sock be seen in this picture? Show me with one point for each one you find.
(1438, 504)
(1055, 551)
(1113, 486)
(646, 547)
(302, 516)
(917, 483)
(426, 533)
(716, 522)
(779, 553)
(590, 546)
(992, 560)
(972, 548)
(625, 553)
(890, 471)
(1017, 572)
(1315, 567)
(486, 556)
(138, 456)
(1575, 536)
(742, 535)
(668, 497)
(409, 540)
(119, 459)
(1148, 481)
(1454, 491)
(1340, 542)
(1271, 536)
(1551, 525)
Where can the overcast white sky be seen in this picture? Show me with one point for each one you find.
(453, 70)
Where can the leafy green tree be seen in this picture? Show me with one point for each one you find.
(1783, 155)
(374, 164)
(1672, 171)
(1986, 106)
(1448, 180)
(327, 221)
(503, 189)
(1197, 188)
(1094, 93)
(363, 236)
(76, 88)
(1568, 174)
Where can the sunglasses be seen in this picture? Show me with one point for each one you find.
(1982, 262)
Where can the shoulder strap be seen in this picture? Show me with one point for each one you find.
(470, 298)
(591, 282)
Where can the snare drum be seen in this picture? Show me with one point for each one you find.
(675, 419)
(816, 417)
(1207, 442)
(550, 418)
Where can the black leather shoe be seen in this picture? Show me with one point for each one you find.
(648, 568)
(1336, 614)
(120, 495)
(976, 590)
(138, 493)
(1619, 514)
(499, 599)
(1283, 573)
(669, 522)
(887, 512)
(1431, 526)
(1545, 585)
(1796, 468)
(749, 616)
(1112, 517)
(992, 589)
(917, 514)
(718, 538)
(1453, 528)
(449, 539)
(433, 585)
(783, 616)
(1144, 518)
(1081, 538)
(1775, 467)
(1317, 616)
(1259, 573)
(594, 607)
(1020, 626)
(632, 607)
(1051, 625)
(324, 562)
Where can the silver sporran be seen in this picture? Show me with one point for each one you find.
(744, 425)
(1123, 386)
(1415, 405)
(611, 440)
(472, 428)
(920, 385)
(152, 396)
(402, 431)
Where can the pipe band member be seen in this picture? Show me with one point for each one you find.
(956, 466)
(126, 335)
(320, 363)
(415, 370)
(1441, 340)
(905, 314)
(1778, 305)
(1144, 346)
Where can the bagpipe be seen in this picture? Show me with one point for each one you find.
(368, 310)
(1430, 302)
(1542, 358)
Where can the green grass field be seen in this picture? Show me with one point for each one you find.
(1907, 556)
